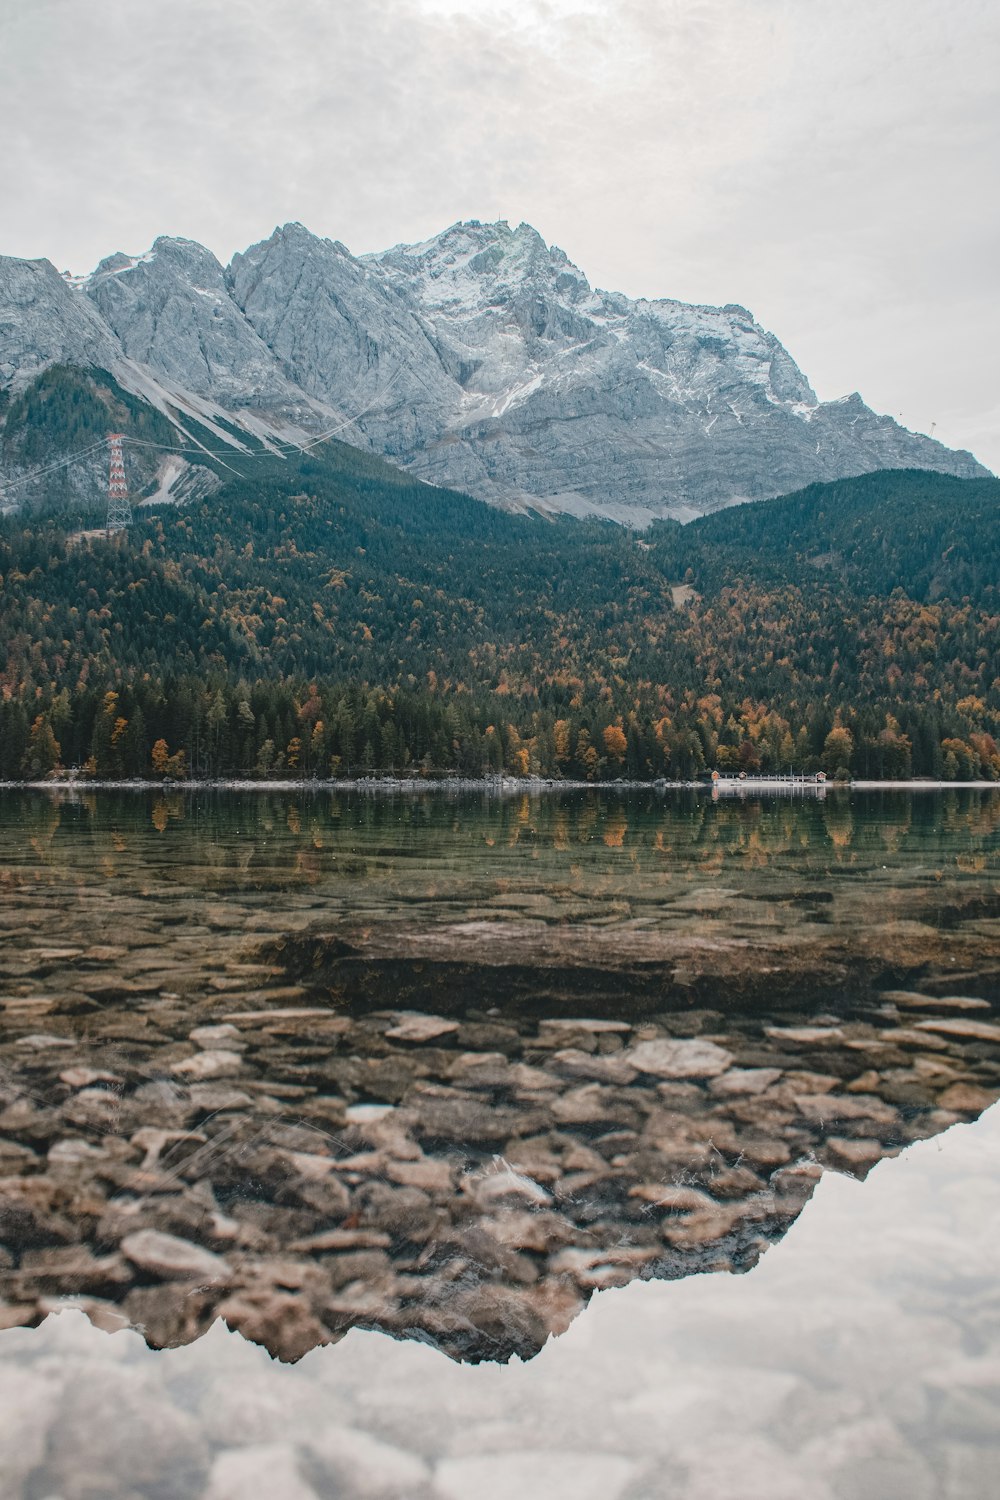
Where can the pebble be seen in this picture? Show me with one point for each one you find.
(217, 1063)
(966, 1098)
(505, 1186)
(212, 1036)
(29, 1406)
(805, 1036)
(911, 1000)
(614, 1068)
(865, 1083)
(117, 1435)
(831, 1107)
(743, 1081)
(365, 1114)
(342, 1239)
(81, 1078)
(420, 1028)
(666, 1058)
(432, 1174)
(74, 1152)
(281, 1320)
(962, 1029)
(170, 1257)
(855, 1155)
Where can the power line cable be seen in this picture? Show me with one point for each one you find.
(62, 463)
(281, 449)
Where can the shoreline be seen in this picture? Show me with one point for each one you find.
(500, 785)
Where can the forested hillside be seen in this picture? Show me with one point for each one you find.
(324, 614)
(930, 535)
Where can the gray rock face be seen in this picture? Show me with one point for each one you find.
(45, 321)
(480, 359)
(591, 401)
(171, 310)
(349, 336)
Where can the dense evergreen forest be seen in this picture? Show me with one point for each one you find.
(324, 615)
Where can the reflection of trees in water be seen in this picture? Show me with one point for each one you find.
(894, 830)
(838, 819)
(983, 816)
(615, 829)
(754, 831)
(276, 837)
(308, 866)
(974, 816)
(44, 832)
(166, 809)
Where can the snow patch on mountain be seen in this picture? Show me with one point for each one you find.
(480, 358)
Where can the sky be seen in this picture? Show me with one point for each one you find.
(831, 164)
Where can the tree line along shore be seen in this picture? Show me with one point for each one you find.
(279, 731)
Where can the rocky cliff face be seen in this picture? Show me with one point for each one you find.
(592, 401)
(347, 335)
(171, 311)
(480, 359)
(43, 320)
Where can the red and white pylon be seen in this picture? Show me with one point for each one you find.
(119, 509)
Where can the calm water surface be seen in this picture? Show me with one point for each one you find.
(444, 1068)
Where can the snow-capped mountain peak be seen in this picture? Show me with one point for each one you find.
(474, 265)
(480, 358)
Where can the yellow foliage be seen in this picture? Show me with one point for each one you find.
(615, 742)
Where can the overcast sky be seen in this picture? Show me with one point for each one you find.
(831, 164)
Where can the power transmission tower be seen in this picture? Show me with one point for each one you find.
(119, 509)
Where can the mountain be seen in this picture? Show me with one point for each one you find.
(592, 401)
(171, 311)
(46, 320)
(481, 359)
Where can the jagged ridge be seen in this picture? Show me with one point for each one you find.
(480, 359)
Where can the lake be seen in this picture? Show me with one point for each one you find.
(318, 1069)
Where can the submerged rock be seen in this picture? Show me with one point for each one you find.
(680, 1059)
(167, 1256)
(421, 1135)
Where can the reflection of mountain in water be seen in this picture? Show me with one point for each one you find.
(445, 1070)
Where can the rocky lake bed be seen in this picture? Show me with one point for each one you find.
(447, 1072)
